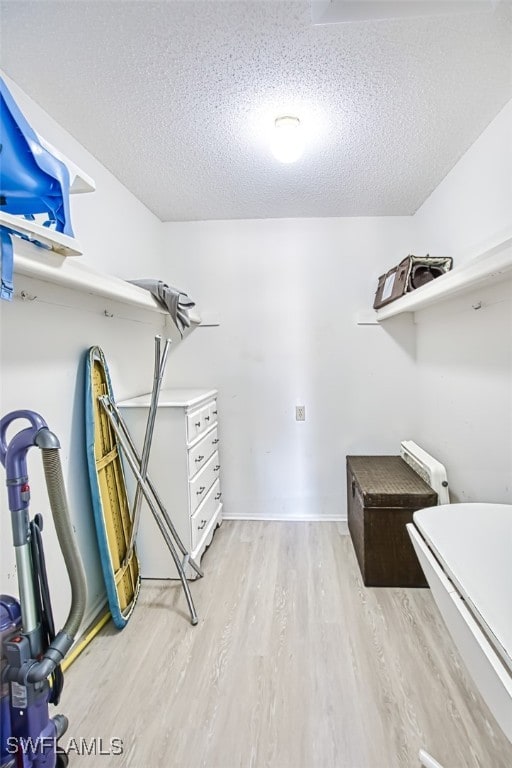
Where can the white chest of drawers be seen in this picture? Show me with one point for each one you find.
(184, 467)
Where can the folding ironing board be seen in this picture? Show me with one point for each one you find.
(465, 551)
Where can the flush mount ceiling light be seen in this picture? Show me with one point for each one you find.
(288, 141)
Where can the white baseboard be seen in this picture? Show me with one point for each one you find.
(94, 613)
(290, 518)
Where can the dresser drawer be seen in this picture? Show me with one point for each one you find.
(212, 412)
(204, 513)
(203, 480)
(197, 422)
(209, 417)
(201, 452)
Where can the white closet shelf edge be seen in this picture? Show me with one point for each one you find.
(485, 268)
(33, 232)
(50, 267)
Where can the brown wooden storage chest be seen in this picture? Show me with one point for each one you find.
(382, 494)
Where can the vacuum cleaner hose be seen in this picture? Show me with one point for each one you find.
(59, 506)
(72, 559)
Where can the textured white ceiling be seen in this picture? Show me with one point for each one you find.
(177, 99)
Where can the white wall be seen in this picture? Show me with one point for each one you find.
(43, 343)
(464, 355)
(287, 293)
(472, 206)
(465, 392)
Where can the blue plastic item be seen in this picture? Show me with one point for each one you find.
(6, 265)
(32, 180)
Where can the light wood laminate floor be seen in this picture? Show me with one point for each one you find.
(294, 664)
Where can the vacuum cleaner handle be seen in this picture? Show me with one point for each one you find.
(13, 455)
(37, 422)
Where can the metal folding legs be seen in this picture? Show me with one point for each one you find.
(155, 504)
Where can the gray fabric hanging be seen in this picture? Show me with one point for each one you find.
(175, 301)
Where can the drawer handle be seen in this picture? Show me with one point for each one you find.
(207, 418)
(201, 490)
(353, 488)
(203, 523)
(214, 413)
(216, 469)
(214, 442)
(199, 458)
(197, 424)
(218, 495)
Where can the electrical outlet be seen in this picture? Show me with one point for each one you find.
(300, 413)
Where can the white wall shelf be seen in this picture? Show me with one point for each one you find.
(367, 317)
(486, 268)
(50, 238)
(51, 267)
(79, 181)
(210, 319)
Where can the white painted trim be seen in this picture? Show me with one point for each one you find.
(290, 519)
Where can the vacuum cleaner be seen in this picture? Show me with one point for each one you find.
(31, 649)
